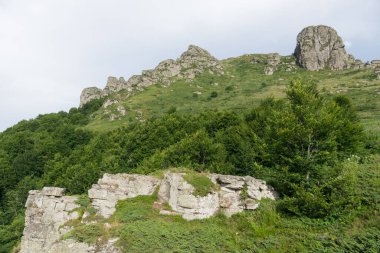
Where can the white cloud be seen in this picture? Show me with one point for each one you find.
(51, 49)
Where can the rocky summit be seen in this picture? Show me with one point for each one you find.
(190, 64)
(320, 47)
(49, 213)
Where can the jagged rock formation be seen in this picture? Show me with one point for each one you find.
(48, 211)
(189, 65)
(89, 94)
(320, 47)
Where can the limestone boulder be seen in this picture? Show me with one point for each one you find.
(89, 94)
(233, 195)
(46, 213)
(320, 47)
(179, 194)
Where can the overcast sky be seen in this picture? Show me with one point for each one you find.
(51, 49)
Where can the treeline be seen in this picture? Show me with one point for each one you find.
(298, 144)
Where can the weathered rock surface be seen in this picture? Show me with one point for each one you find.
(190, 64)
(112, 188)
(175, 191)
(89, 94)
(178, 193)
(114, 85)
(48, 210)
(320, 47)
(273, 61)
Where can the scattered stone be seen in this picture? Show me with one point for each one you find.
(269, 70)
(272, 61)
(375, 63)
(320, 47)
(357, 64)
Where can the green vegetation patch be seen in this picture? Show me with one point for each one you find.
(202, 184)
(86, 233)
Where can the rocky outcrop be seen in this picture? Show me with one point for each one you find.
(190, 64)
(174, 190)
(233, 195)
(89, 94)
(112, 188)
(273, 61)
(320, 47)
(48, 211)
(115, 85)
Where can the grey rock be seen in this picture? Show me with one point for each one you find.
(190, 64)
(269, 70)
(272, 63)
(46, 213)
(48, 210)
(320, 47)
(89, 94)
(112, 188)
(228, 199)
(53, 191)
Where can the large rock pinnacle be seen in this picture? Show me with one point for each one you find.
(320, 47)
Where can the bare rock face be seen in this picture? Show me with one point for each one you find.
(89, 94)
(179, 194)
(112, 188)
(320, 47)
(234, 195)
(46, 211)
(190, 64)
(114, 85)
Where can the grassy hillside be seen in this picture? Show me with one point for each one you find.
(312, 151)
(243, 86)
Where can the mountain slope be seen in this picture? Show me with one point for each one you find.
(260, 115)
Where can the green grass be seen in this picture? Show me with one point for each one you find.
(140, 227)
(242, 87)
(201, 183)
(87, 233)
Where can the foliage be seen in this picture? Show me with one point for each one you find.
(299, 141)
(86, 233)
(202, 184)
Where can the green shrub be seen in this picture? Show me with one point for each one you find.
(202, 184)
(86, 233)
(229, 88)
(214, 94)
